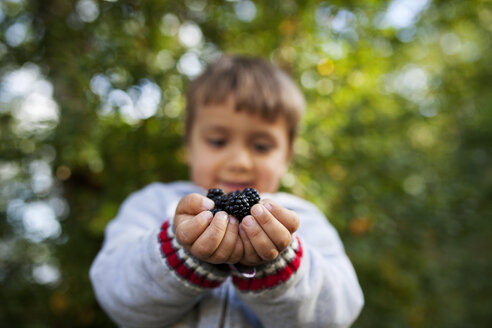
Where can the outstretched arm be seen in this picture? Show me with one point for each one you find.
(311, 282)
(143, 276)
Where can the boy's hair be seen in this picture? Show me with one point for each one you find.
(254, 84)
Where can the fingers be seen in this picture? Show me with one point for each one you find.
(250, 256)
(289, 219)
(192, 218)
(193, 204)
(260, 241)
(188, 228)
(206, 244)
(221, 239)
(238, 251)
(214, 239)
(229, 250)
(272, 226)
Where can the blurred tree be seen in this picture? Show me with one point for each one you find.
(395, 146)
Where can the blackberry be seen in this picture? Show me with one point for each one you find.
(219, 197)
(215, 192)
(221, 201)
(237, 205)
(252, 195)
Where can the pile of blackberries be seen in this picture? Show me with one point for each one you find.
(237, 203)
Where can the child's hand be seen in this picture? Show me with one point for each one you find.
(267, 232)
(214, 239)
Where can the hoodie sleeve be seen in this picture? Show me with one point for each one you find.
(143, 277)
(311, 284)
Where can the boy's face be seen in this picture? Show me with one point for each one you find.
(234, 150)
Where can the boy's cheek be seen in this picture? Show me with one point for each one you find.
(202, 176)
(270, 178)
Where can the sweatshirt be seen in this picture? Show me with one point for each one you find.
(143, 277)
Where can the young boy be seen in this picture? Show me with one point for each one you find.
(167, 261)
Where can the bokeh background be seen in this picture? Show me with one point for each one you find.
(395, 147)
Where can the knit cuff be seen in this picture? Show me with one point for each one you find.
(186, 267)
(274, 273)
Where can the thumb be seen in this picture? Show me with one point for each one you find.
(193, 204)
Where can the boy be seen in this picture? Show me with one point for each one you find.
(168, 261)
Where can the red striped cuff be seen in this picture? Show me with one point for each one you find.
(274, 273)
(188, 268)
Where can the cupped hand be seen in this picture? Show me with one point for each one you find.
(214, 239)
(266, 232)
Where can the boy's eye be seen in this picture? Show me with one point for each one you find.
(216, 142)
(262, 147)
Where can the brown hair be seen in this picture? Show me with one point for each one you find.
(254, 84)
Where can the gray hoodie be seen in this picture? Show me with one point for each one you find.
(142, 277)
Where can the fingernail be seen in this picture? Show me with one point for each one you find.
(257, 210)
(248, 221)
(207, 203)
(268, 206)
(232, 220)
(206, 215)
(222, 217)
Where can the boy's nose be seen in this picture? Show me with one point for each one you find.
(240, 159)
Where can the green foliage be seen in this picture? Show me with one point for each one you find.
(395, 147)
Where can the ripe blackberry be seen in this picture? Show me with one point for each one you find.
(252, 195)
(237, 205)
(221, 201)
(219, 197)
(215, 192)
